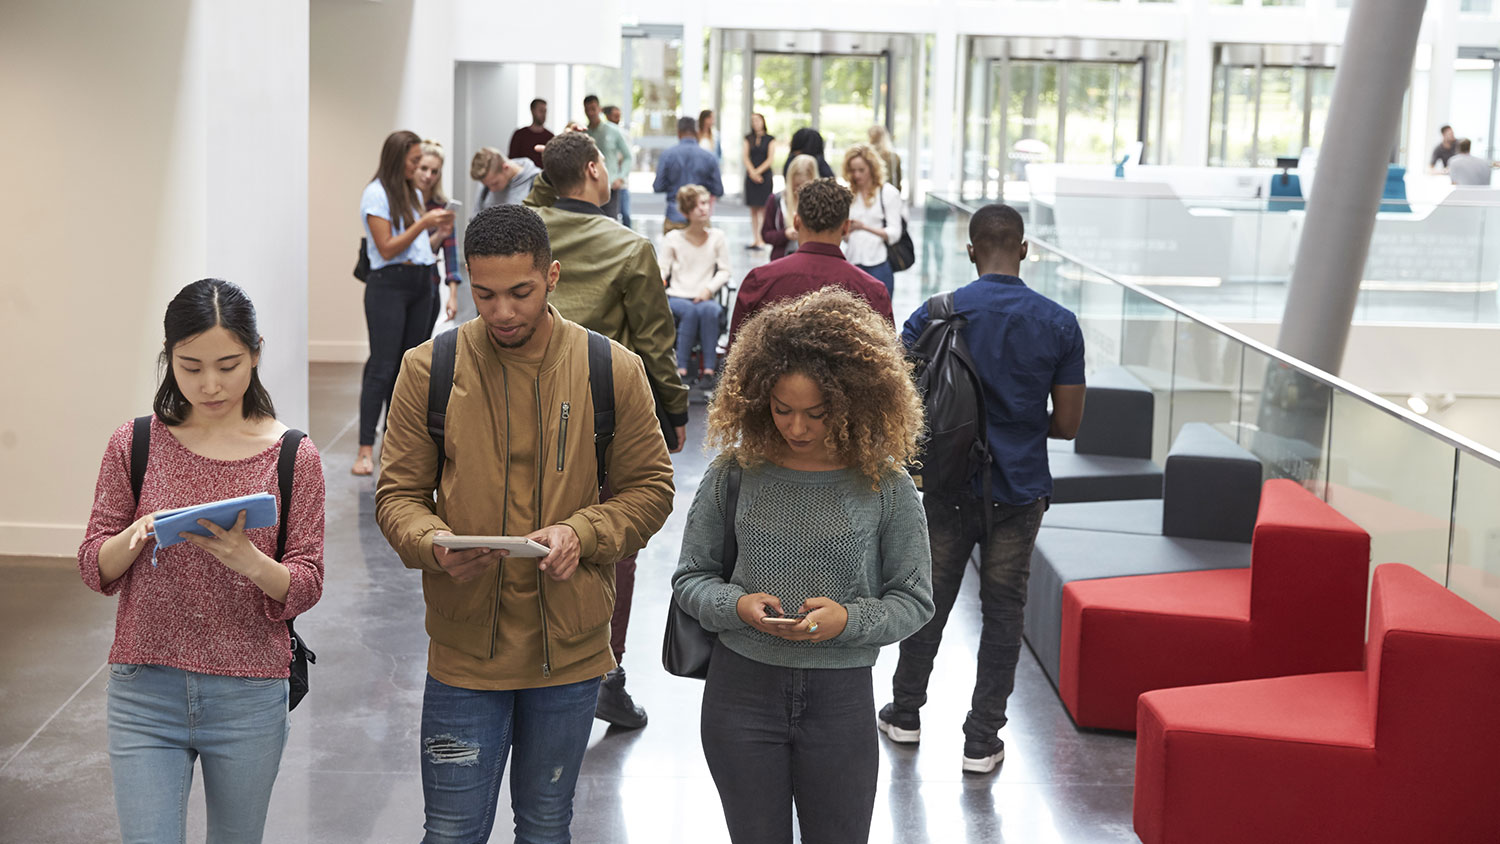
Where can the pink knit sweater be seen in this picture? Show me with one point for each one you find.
(190, 611)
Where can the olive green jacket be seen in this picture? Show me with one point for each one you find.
(611, 283)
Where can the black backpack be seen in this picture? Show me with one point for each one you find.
(601, 386)
(140, 451)
(956, 446)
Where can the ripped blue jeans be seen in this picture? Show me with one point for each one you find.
(467, 735)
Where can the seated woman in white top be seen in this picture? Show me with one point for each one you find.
(694, 265)
(875, 214)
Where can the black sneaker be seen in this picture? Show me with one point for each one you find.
(981, 756)
(899, 725)
(615, 705)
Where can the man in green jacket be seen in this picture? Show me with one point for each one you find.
(610, 283)
(618, 158)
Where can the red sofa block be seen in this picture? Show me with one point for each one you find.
(1298, 609)
(1407, 750)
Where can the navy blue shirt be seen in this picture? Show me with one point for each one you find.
(1023, 344)
(686, 164)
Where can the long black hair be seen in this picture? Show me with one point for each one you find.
(202, 305)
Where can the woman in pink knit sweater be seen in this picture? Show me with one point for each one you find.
(199, 665)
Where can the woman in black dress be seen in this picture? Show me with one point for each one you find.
(759, 147)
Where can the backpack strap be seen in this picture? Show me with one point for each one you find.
(940, 306)
(439, 388)
(286, 470)
(140, 451)
(731, 546)
(602, 387)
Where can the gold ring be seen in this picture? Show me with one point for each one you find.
(812, 628)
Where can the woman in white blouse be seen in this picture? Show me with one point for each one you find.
(694, 265)
(875, 215)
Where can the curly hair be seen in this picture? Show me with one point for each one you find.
(833, 338)
(872, 160)
(505, 230)
(823, 204)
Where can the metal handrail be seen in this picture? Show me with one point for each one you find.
(1456, 440)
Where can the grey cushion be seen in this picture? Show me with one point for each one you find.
(1095, 477)
(1064, 555)
(1118, 412)
(1211, 487)
(1137, 516)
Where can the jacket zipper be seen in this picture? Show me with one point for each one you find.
(541, 594)
(562, 437)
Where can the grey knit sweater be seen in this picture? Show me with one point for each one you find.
(804, 535)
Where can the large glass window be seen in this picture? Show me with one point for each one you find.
(1264, 112)
(852, 101)
(783, 93)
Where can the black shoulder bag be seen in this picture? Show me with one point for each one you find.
(903, 253)
(686, 647)
(286, 464)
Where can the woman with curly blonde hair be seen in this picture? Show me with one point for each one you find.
(875, 215)
(817, 417)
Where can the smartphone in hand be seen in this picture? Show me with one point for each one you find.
(783, 618)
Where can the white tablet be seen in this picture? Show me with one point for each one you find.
(516, 545)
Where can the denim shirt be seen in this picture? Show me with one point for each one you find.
(1023, 343)
(686, 164)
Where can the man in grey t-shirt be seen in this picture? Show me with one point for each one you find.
(1466, 169)
(502, 181)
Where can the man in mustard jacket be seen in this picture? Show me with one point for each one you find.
(518, 644)
(610, 283)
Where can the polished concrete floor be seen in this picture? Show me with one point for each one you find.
(350, 772)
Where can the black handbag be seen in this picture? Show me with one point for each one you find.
(362, 266)
(903, 253)
(686, 647)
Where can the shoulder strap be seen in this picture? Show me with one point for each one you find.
(731, 546)
(602, 387)
(880, 194)
(940, 306)
(439, 387)
(286, 472)
(140, 452)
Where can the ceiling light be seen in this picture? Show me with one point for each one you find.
(1418, 403)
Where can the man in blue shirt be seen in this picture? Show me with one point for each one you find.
(1027, 348)
(685, 164)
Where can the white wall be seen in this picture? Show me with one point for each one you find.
(157, 144)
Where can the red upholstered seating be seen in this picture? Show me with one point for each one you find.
(1299, 609)
(1407, 750)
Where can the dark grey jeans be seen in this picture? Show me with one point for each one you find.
(774, 736)
(954, 524)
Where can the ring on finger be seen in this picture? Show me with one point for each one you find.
(812, 628)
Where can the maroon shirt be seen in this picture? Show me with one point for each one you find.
(812, 267)
(523, 144)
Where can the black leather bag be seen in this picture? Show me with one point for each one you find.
(686, 647)
(362, 265)
(903, 253)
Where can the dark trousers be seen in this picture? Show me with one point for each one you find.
(619, 623)
(401, 305)
(777, 736)
(954, 524)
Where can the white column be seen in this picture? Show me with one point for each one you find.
(255, 143)
(1198, 91)
(692, 61)
(945, 116)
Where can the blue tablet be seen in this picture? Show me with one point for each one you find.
(260, 511)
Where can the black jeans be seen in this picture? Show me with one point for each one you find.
(401, 304)
(954, 524)
(774, 735)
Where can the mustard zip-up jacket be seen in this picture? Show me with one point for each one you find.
(576, 612)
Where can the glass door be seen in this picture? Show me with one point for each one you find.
(1103, 112)
(1031, 116)
(782, 92)
(852, 97)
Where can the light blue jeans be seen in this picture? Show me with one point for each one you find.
(696, 321)
(468, 734)
(162, 719)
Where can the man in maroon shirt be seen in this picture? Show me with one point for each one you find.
(822, 223)
(527, 142)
